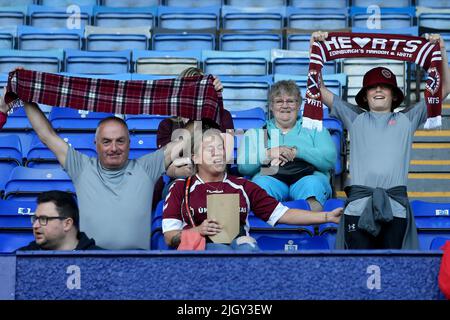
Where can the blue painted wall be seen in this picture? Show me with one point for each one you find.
(173, 275)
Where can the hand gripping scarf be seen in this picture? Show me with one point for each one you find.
(354, 45)
(192, 97)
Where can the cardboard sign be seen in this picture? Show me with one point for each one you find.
(225, 209)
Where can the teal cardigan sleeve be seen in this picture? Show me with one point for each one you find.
(322, 154)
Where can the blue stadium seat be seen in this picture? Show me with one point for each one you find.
(40, 157)
(433, 3)
(293, 243)
(16, 214)
(144, 122)
(99, 62)
(257, 3)
(248, 119)
(319, 4)
(250, 18)
(33, 38)
(250, 40)
(432, 220)
(285, 232)
(10, 149)
(336, 130)
(165, 62)
(297, 41)
(130, 3)
(13, 16)
(3, 80)
(434, 20)
(382, 3)
(64, 3)
(328, 230)
(7, 36)
(10, 241)
(157, 237)
(193, 3)
(59, 17)
(315, 19)
(142, 144)
(192, 39)
(229, 63)
(150, 77)
(27, 183)
(17, 120)
(438, 242)
(66, 120)
(297, 63)
(115, 39)
(124, 17)
(189, 18)
(114, 76)
(243, 93)
(6, 3)
(45, 61)
(390, 18)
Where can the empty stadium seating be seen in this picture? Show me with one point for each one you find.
(27, 183)
(249, 44)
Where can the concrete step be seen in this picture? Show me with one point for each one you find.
(429, 182)
(440, 135)
(430, 157)
(438, 197)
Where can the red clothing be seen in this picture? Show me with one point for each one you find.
(2, 119)
(251, 197)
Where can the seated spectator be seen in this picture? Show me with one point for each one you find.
(209, 157)
(288, 140)
(56, 224)
(169, 125)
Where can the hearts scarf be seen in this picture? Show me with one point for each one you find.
(191, 97)
(354, 45)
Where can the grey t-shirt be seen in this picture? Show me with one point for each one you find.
(115, 205)
(380, 147)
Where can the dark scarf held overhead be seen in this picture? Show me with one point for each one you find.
(385, 46)
(191, 97)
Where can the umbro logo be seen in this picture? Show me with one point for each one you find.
(351, 227)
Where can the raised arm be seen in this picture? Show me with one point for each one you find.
(45, 132)
(304, 217)
(433, 38)
(327, 95)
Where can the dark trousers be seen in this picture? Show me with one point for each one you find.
(390, 236)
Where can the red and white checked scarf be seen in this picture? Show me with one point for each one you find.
(354, 45)
(192, 97)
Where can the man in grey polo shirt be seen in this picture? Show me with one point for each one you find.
(114, 193)
(378, 215)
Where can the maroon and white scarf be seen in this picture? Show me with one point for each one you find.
(192, 97)
(354, 45)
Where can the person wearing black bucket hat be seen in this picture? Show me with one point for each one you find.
(377, 213)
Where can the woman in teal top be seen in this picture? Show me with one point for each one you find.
(286, 140)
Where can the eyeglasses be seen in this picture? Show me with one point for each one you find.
(43, 220)
(281, 102)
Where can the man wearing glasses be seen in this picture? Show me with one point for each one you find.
(56, 224)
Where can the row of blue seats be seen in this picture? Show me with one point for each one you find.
(215, 17)
(242, 3)
(164, 63)
(432, 220)
(142, 38)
